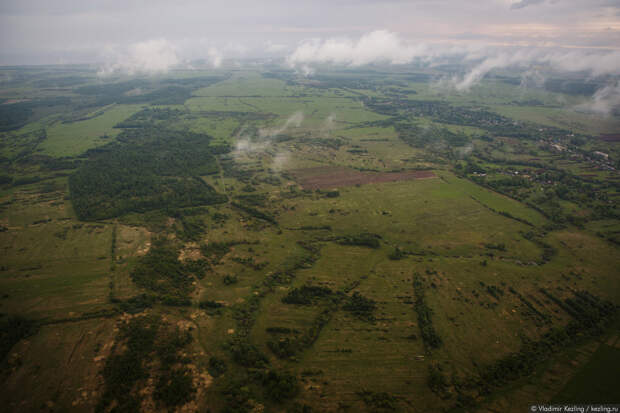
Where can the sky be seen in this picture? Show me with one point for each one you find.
(113, 31)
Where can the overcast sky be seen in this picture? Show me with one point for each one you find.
(83, 31)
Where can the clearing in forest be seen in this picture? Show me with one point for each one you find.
(325, 177)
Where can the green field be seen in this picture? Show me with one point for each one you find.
(75, 138)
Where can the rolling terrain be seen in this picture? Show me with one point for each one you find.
(245, 240)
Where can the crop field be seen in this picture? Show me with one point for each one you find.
(241, 240)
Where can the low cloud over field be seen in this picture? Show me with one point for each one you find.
(293, 121)
(155, 56)
(374, 47)
(382, 46)
(152, 56)
(604, 102)
(247, 144)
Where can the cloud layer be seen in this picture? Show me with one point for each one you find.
(72, 31)
(382, 46)
(148, 57)
(376, 46)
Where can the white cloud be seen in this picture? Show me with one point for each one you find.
(382, 46)
(149, 57)
(594, 63)
(293, 121)
(280, 160)
(247, 145)
(374, 47)
(215, 57)
(604, 101)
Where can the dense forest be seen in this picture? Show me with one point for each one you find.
(147, 169)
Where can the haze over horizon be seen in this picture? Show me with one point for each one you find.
(69, 31)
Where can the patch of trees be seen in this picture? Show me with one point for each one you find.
(274, 180)
(284, 347)
(140, 341)
(503, 213)
(420, 137)
(161, 272)
(559, 185)
(135, 304)
(548, 250)
(443, 112)
(531, 308)
(190, 228)
(166, 92)
(59, 164)
(360, 306)
(210, 304)
(306, 295)
(197, 267)
(363, 240)
(168, 95)
(495, 291)
(6, 180)
(272, 385)
(280, 330)
(378, 401)
(245, 315)
(12, 330)
(250, 262)
(279, 385)
(15, 115)
(216, 366)
(255, 212)
(584, 307)
(591, 316)
(118, 88)
(122, 371)
(397, 254)
(254, 200)
(340, 81)
(331, 143)
(27, 180)
(312, 228)
(232, 170)
(149, 116)
(246, 354)
(499, 246)
(431, 339)
(60, 81)
(148, 169)
(290, 346)
(174, 386)
(214, 251)
(437, 381)
(572, 87)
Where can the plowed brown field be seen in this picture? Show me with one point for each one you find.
(327, 177)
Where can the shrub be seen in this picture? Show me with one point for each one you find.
(360, 306)
(306, 295)
(217, 366)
